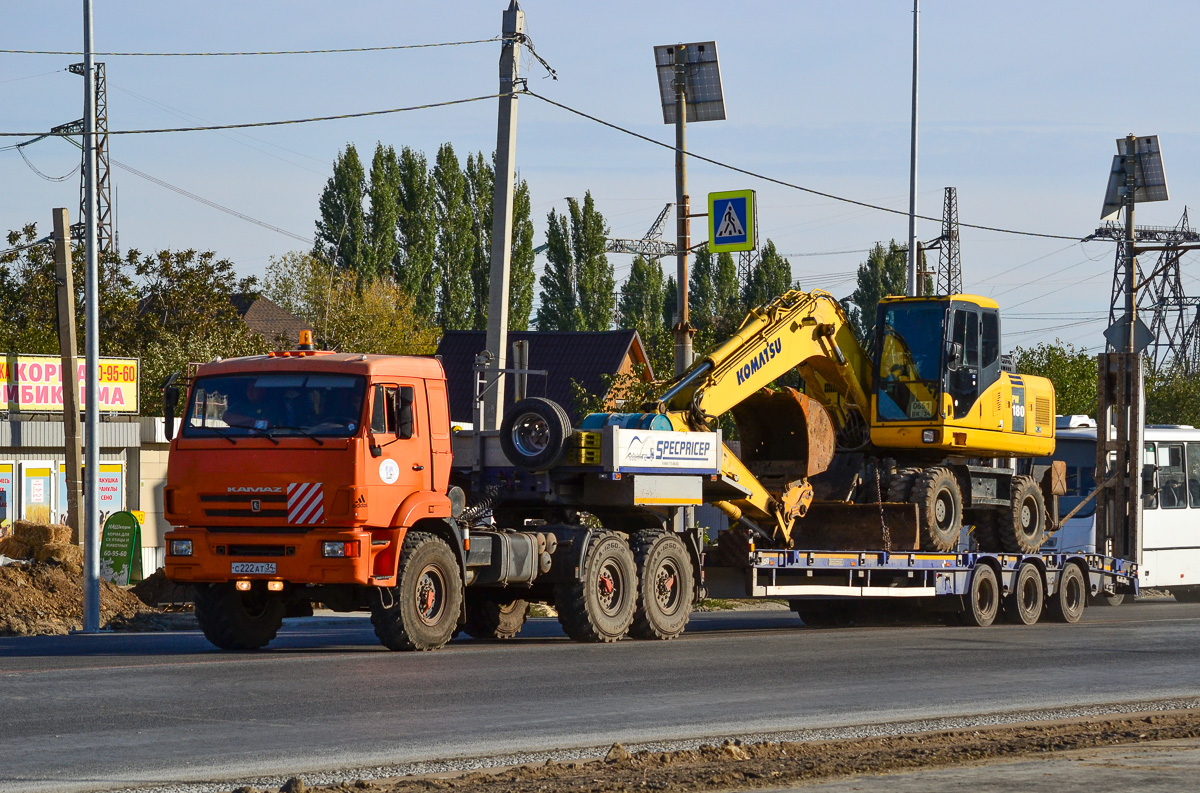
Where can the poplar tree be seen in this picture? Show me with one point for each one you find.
(595, 285)
(641, 300)
(341, 227)
(454, 256)
(416, 227)
(521, 277)
(770, 278)
(479, 176)
(557, 310)
(382, 216)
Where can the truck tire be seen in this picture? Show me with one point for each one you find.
(598, 606)
(1070, 596)
(1105, 599)
(234, 620)
(1186, 594)
(900, 485)
(823, 613)
(534, 433)
(1024, 528)
(939, 502)
(983, 597)
(421, 611)
(493, 616)
(665, 585)
(987, 531)
(1023, 606)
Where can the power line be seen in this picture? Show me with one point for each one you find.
(26, 246)
(782, 183)
(262, 52)
(264, 123)
(47, 177)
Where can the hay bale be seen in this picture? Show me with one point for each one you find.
(36, 535)
(65, 554)
(13, 548)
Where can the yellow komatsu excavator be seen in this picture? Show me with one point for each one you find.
(931, 417)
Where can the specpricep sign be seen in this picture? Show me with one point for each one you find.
(649, 451)
(34, 384)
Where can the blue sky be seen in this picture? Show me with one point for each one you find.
(1020, 105)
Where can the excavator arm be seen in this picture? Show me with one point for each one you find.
(786, 436)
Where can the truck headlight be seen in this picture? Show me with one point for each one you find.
(339, 549)
(181, 547)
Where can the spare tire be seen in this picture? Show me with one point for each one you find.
(534, 433)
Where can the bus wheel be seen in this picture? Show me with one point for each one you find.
(1070, 597)
(937, 496)
(1025, 529)
(665, 585)
(1024, 604)
(983, 597)
(598, 606)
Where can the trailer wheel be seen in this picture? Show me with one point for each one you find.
(234, 620)
(490, 615)
(534, 433)
(1106, 599)
(900, 485)
(665, 585)
(1025, 529)
(823, 613)
(1070, 596)
(983, 597)
(1188, 595)
(421, 611)
(936, 494)
(598, 606)
(1024, 604)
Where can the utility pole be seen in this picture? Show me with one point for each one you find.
(683, 330)
(913, 261)
(69, 352)
(91, 546)
(502, 215)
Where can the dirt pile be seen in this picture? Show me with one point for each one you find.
(734, 765)
(156, 590)
(42, 542)
(47, 598)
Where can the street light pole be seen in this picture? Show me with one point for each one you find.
(913, 263)
(91, 546)
(683, 224)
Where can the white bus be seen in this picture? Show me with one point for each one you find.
(1169, 546)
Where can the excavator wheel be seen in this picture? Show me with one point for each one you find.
(900, 485)
(1024, 530)
(939, 503)
(490, 615)
(665, 585)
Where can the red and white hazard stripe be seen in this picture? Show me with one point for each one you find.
(306, 503)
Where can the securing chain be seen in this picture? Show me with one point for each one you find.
(887, 534)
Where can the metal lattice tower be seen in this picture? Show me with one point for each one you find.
(949, 272)
(651, 245)
(104, 226)
(1172, 313)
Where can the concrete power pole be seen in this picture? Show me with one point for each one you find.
(913, 255)
(683, 330)
(91, 546)
(69, 352)
(502, 215)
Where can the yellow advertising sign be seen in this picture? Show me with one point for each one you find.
(34, 384)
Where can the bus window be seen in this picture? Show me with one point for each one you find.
(1149, 498)
(1193, 473)
(1172, 484)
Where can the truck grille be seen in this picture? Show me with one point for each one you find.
(241, 505)
(257, 550)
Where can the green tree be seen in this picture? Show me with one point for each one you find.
(382, 218)
(521, 276)
(1073, 372)
(417, 232)
(558, 307)
(714, 297)
(595, 285)
(455, 254)
(341, 227)
(770, 278)
(884, 273)
(480, 177)
(1172, 396)
(670, 301)
(641, 299)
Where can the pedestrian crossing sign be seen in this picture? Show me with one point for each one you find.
(732, 217)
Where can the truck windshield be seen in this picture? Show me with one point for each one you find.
(910, 357)
(329, 405)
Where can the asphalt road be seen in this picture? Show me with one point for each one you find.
(98, 712)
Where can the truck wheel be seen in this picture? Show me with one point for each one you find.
(234, 620)
(1024, 604)
(1105, 599)
(900, 485)
(665, 585)
(1066, 605)
(534, 433)
(823, 613)
(983, 597)
(421, 611)
(987, 529)
(492, 616)
(598, 606)
(1188, 595)
(936, 494)
(1024, 530)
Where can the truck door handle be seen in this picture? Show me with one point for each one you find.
(418, 467)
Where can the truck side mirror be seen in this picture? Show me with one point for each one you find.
(170, 402)
(404, 413)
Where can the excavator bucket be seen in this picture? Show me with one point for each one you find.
(785, 436)
(839, 527)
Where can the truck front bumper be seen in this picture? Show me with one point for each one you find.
(299, 558)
